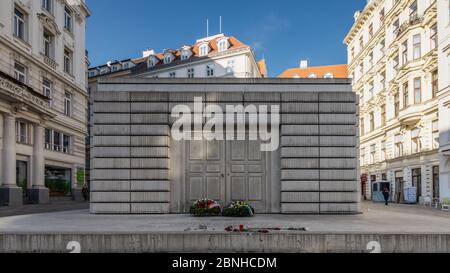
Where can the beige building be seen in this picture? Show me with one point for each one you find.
(393, 60)
(444, 93)
(43, 99)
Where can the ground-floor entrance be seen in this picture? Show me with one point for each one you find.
(59, 181)
(226, 171)
(22, 179)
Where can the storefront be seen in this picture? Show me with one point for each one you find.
(58, 180)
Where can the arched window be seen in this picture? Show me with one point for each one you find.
(223, 45)
(328, 75)
(204, 50)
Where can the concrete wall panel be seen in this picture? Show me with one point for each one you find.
(299, 186)
(289, 208)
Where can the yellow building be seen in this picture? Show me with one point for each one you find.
(393, 60)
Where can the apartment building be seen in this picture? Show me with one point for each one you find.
(216, 56)
(43, 100)
(443, 7)
(313, 72)
(393, 60)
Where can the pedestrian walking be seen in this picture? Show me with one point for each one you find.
(386, 195)
(85, 192)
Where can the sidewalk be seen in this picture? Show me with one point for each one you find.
(36, 209)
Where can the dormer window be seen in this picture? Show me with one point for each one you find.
(167, 58)
(151, 62)
(204, 50)
(223, 45)
(328, 76)
(312, 76)
(185, 54)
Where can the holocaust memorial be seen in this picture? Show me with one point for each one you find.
(283, 145)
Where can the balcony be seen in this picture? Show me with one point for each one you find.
(49, 61)
(411, 115)
(413, 20)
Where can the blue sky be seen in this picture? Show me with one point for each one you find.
(282, 31)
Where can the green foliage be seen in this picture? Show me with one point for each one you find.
(58, 185)
(238, 209)
(80, 177)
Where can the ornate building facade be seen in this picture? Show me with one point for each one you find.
(43, 99)
(393, 60)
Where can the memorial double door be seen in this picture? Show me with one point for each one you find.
(226, 171)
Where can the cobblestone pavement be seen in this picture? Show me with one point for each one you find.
(376, 218)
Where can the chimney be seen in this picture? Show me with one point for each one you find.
(303, 63)
(147, 52)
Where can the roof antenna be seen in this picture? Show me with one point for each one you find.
(207, 28)
(220, 24)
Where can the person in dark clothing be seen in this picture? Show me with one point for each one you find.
(386, 195)
(85, 192)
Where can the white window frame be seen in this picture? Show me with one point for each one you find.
(191, 72)
(312, 76)
(22, 132)
(47, 5)
(68, 104)
(48, 44)
(210, 70)
(223, 45)
(60, 147)
(68, 61)
(167, 59)
(172, 74)
(417, 44)
(68, 19)
(329, 75)
(19, 75)
(47, 90)
(203, 50)
(19, 24)
(230, 66)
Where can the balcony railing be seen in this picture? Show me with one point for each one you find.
(413, 20)
(49, 61)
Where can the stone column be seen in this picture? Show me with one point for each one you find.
(39, 194)
(10, 194)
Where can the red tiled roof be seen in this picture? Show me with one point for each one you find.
(338, 71)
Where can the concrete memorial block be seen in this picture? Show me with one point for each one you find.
(288, 186)
(296, 208)
(138, 169)
(300, 197)
(111, 107)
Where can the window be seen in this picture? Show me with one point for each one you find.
(361, 42)
(172, 75)
(361, 70)
(435, 130)
(416, 46)
(67, 61)
(395, 62)
(396, 104)
(168, 59)
(382, 14)
(328, 75)
(383, 115)
(371, 94)
(191, 73)
(48, 44)
(47, 90)
(415, 141)
(434, 83)
(223, 45)
(396, 26)
(58, 142)
(151, 62)
(383, 177)
(417, 91)
(185, 55)
(19, 24)
(20, 72)
(372, 153)
(413, 11)
(203, 50)
(47, 5)
(383, 80)
(22, 132)
(417, 181)
(67, 18)
(383, 151)
(362, 126)
(352, 52)
(126, 65)
(434, 36)
(382, 47)
(210, 70)
(230, 66)
(372, 121)
(67, 104)
(370, 59)
(405, 95)
(370, 30)
(405, 52)
(312, 76)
